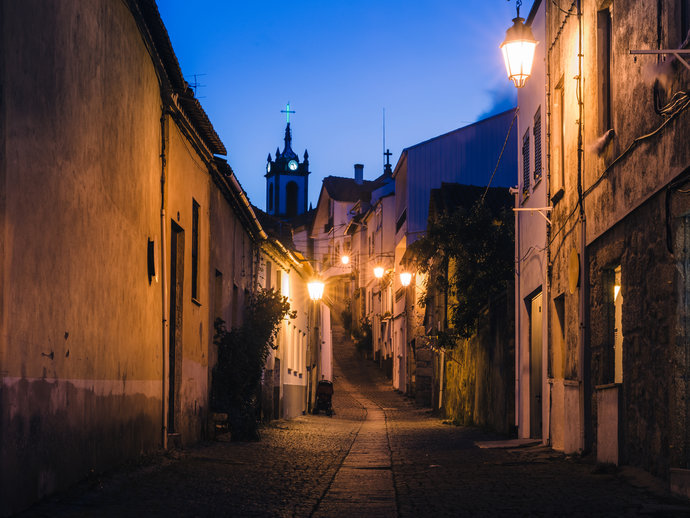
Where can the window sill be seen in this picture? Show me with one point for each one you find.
(196, 301)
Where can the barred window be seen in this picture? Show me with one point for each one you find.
(536, 131)
(525, 163)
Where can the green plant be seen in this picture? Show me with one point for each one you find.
(242, 354)
(468, 254)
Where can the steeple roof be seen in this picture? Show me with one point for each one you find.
(288, 153)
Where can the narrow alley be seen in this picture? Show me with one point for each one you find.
(379, 455)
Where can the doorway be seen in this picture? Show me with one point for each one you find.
(175, 323)
(535, 367)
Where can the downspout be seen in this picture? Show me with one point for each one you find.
(546, 303)
(583, 241)
(165, 338)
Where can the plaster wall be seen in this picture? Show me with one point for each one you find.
(187, 181)
(80, 343)
(531, 236)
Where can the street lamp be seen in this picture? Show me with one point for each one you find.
(345, 259)
(315, 288)
(405, 279)
(518, 50)
(378, 272)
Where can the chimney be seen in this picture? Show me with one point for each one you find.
(359, 173)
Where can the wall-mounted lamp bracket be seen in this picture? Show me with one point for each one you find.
(541, 210)
(676, 52)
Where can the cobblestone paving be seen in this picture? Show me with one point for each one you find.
(300, 468)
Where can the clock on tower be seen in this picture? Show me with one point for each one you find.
(287, 179)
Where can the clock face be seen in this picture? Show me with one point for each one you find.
(292, 165)
(268, 167)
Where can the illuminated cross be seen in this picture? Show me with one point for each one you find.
(288, 111)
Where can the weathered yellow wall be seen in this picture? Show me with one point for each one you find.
(187, 180)
(479, 381)
(80, 336)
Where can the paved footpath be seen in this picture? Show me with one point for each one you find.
(378, 456)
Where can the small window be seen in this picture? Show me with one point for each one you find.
(270, 198)
(536, 131)
(616, 297)
(525, 164)
(218, 296)
(684, 16)
(195, 250)
(604, 68)
(268, 275)
(558, 155)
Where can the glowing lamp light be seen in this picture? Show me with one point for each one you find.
(315, 290)
(518, 51)
(405, 278)
(378, 272)
(616, 291)
(345, 259)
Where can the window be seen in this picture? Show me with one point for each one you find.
(525, 164)
(536, 131)
(604, 69)
(218, 296)
(195, 250)
(268, 275)
(279, 281)
(556, 365)
(558, 162)
(291, 199)
(616, 297)
(270, 198)
(684, 22)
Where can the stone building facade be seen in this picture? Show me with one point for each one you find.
(618, 164)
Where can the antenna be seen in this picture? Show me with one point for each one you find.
(196, 84)
(384, 138)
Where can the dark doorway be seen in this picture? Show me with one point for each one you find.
(175, 324)
(291, 199)
(535, 366)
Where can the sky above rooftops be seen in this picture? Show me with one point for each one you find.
(433, 66)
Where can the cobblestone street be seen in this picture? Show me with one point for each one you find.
(378, 456)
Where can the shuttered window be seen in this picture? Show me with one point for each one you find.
(525, 163)
(536, 131)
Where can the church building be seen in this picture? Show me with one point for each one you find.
(287, 179)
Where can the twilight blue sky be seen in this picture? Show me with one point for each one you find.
(434, 66)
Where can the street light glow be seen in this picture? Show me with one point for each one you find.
(345, 259)
(405, 278)
(315, 289)
(378, 272)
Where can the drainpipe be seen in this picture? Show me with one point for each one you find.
(516, 193)
(165, 338)
(583, 241)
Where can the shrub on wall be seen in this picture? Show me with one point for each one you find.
(242, 354)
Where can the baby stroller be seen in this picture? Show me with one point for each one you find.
(324, 394)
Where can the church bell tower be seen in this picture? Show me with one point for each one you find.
(287, 179)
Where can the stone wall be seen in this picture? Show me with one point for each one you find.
(479, 383)
(652, 417)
